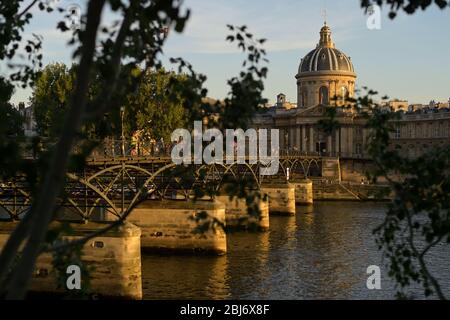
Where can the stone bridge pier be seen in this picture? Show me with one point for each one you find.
(181, 226)
(304, 194)
(112, 261)
(281, 197)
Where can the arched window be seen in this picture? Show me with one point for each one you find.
(323, 95)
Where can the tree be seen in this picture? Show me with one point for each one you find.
(159, 110)
(135, 45)
(153, 107)
(111, 63)
(50, 98)
(10, 130)
(418, 219)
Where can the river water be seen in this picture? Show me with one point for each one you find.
(321, 253)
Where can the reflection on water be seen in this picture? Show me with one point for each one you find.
(321, 253)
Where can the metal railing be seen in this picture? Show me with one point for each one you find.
(114, 148)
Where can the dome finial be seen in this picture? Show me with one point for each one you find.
(324, 15)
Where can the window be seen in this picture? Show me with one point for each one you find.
(323, 95)
(358, 149)
(397, 133)
(436, 130)
(411, 130)
(344, 94)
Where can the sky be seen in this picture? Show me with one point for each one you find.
(408, 58)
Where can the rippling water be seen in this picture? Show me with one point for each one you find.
(321, 253)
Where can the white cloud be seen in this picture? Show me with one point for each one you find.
(288, 25)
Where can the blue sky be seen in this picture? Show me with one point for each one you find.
(407, 59)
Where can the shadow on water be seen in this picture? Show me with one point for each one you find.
(321, 253)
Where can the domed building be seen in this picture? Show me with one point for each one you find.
(324, 73)
(324, 78)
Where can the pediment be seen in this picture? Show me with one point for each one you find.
(318, 110)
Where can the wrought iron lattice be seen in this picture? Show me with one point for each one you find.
(109, 186)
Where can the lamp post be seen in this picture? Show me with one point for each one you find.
(122, 112)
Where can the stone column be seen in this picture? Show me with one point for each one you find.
(335, 91)
(304, 148)
(350, 140)
(282, 146)
(344, 149)
(337, 134)
(298, 137)
(329, 145)
(291, 137)
(311, 139)
(363, 145)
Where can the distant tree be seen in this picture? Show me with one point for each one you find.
(153, 107)
(50, 98)
(105, 77)
(159, 109)
(10, 129)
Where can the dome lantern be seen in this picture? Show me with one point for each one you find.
(325, 37)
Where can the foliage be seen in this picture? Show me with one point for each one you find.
(10, 130)
(245, 96)
(135, 37)
(111, 71)
(152, 108)
(105, 73)
(418, 218)
(155, 109)
(409, 6)
(50, 98)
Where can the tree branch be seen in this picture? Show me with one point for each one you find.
(11, 248)
(420, 256)
(18, 16)
(44, 205)
(114, 64)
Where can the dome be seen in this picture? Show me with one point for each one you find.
(325, 57)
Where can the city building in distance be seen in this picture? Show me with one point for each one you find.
(326, 76)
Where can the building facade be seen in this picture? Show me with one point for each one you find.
(325, 78)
